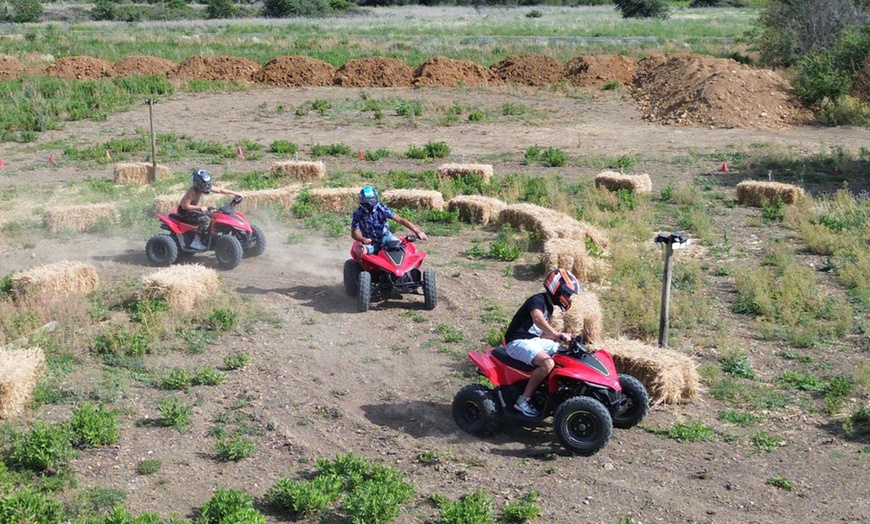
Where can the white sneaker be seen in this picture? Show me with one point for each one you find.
(197, 245)
(524, 407)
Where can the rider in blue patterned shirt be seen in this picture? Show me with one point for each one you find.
(370, 224)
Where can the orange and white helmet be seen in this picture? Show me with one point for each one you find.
(560, 285)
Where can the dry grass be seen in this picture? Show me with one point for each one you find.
(334, 199)
(80, 219)
(584, 319)
(669, 376)
(20, 371)
(182, 287)
(54, 281)
(613, 181)
(482, 171)
(414, 199)
(139, 173)
(476, 209)
(299, 170)
(756, 193)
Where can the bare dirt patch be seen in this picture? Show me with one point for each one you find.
(440, 71)
(80, 68)
(374, 72)
(530, 70)
(296, 71)
(595, 71)
(217, 68)
(141, 65)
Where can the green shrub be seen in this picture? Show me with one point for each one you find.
(105, 10)
(858, 424)
(283, 147)
(43, 447)
(436, 149)
(554, 157)
(741, 418)
(416, 153)
(409, 108)
(222, 319)
(141, 310)
(234, 449)
(176, 379)
(208, 377)
(820, 77)
(506, 247)
(737, 364)
(237, 360)
(302, 498)
(94, 426)
(535, 13)
(121, 342)
(611, 85)
(476, 508)
(174, 412)
(148, 467)
(692, 432)
(843, 111)
(782, 483)
(521, 511)
(26, 11)
(378, 500)
(642, 8)
(27, 505)
(295, 8)
(331, 150)
(224, 503)
(508, 109)
(220, 9)
(374, 156)
(763, 441)
(476, 116)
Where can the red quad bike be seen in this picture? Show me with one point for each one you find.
(583, 393)
(229, 235)
(393, 269)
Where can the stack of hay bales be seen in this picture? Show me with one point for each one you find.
(551, 224)
(283, 197)
(414, 199)
(574, 256)
(476, 209)
(584, 319)
(139, 173)
(757, 193)
(613, 181)
(334, 199)
(299, 170)
(20, 371)
(54, 281)
(182, 287)
(80, 219)
(481, 171)
(669, 376)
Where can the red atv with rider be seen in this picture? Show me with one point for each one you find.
(230, 236)
(584, 394)
(395, 268)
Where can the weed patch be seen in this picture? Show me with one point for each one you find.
(692, 432)
(93, 425)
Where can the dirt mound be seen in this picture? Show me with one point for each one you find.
(296, 71)
(595, 71)
(440, 71)
(80, 68)
(374, 72)
(217, 68)
(140, 65)
(10, 67)
(692, 90)
(531, 70)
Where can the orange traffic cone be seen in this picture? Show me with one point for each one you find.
(724, 168)
(51, 159)
(361, 155)
(1, 162)
(239, 152)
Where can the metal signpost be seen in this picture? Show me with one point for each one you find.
(670, 242)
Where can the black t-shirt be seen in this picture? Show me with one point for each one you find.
(522, 326)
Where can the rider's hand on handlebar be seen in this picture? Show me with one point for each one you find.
(421, 235)
(565, 337)
(366, 241)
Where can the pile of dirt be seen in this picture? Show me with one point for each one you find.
(296, 71)
(10, 67)
(531, 70)
(140, 65)
(216, 68)
(374, 72)
(595, 71)
(440, 71)
(80, 68)
(693, 90)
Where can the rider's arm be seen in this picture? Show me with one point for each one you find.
(356, 234)
(410, 225)
(224, 191)
(186, 204)
(547, 330)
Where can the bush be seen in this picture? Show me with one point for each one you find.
(476, 508)
(284, 147)
(104, 10)
(223, 504)
(820, 77)
(642, 8)
(44, 446)
(234, 449)
(554, 157)
(303, 498)
(295, 8)
(237, 360)
(844, 111)
(220, 9)
(29, 505)
(437, 149)
(26, 11)
(93, 426)
(521, 511)
(174, 412)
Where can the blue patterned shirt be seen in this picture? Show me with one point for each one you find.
(373, 225)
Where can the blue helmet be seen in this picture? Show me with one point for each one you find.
(368, 198)
(201, 180)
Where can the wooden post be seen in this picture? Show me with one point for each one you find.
(150, 103)
(666, 297)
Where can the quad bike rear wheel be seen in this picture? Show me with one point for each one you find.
(582, 425)
(228, 251)
(161, 250)
(475, 410)
(637, 406)
(364, 291)
(258, 243)
(352, 270)
(430, 291)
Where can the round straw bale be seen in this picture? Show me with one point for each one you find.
(481, 171)
(299, 170)
(756, 192)
(182, 287)
(139, 173)
(414, 199)
(20, 372)
(54, 281)
(669, 376)
(476, 209)
(334, 199)
(83, 218)
(613, 181)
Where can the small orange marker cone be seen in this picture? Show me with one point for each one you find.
(1, 162)
(836, 172)
(51, 159)
(239, 152)
(361, 155)
(724, 167)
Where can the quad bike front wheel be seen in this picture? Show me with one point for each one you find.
(161, 250)
(637, 405)
(258, 243)
(364, 291)
(475, 410)
(228, 251)
(352, 270)
(430, 291)
(582, 425)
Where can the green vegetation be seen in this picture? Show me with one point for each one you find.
(93, 426)
(234, 449)
(691, 432)
(782, 483)
(175, 413)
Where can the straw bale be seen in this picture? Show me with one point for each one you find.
(476, 209)
(283, 197)
(182, 287)
(756, 192)
(299, 170)
(613, 181)
(568, 254)
(482, 171)
(583, 318)
(669, 376)
(551, 224)
(139, 173)
(414, 198)
(80, 219)
(20, 371)
(53, 281)
(334, 199)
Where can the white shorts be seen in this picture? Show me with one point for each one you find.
(525, 349)
(374, 247)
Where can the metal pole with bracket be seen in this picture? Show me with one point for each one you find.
(669, 243)
(150, 103)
